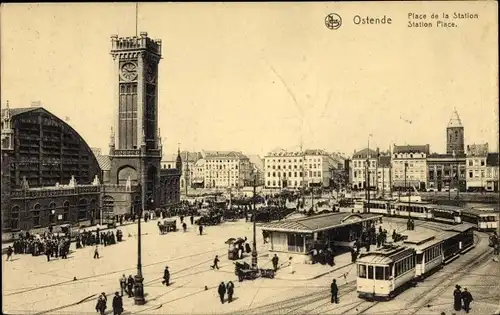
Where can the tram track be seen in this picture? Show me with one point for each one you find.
(297, 304)
(149, 283)
(110, 273)
(448, 282)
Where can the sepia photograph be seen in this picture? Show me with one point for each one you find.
(250, 158)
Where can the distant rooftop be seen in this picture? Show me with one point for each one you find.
(104, 162)
(455, 120)
(411, 149)
(364, 153)
(492, 159)
(286, 153)
(223, 154)
(384, 161)
(445, 156)
(477, 149)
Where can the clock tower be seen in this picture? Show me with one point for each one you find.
(135, 146)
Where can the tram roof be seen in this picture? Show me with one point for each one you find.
(460, 227)
(446, 235)
(319, 223)
(481, 211)
(423, 243)
(447, 207)
(385, 255)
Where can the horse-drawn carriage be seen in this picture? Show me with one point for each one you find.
(69, 231)
(167, 226)
(109, 221)
(209, 219)
(245, 272)
(237, 248)
(233, 214)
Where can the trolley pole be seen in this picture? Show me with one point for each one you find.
(254, 249)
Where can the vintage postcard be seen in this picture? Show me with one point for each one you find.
(250, 158)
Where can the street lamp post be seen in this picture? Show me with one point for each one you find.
(139, 286)
(254, 249)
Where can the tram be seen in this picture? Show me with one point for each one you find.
(465, 236)
(418, 210)
(486, 219)
(385, 207)
(447, 214)
(383, 271)
(429, 255)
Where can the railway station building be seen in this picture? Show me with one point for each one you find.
(297, 236)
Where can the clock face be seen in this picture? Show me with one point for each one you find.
(129, 71)
(150, 73)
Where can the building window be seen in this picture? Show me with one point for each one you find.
(66, 211)
(15, 218)
(36, 215)
(52, 213)
(470, 163)
(482, 162)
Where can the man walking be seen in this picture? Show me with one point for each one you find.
(96, 252)
(166, 277)
(191, 218)
(200, 228)
(130, 286)
(230, 291)
(457, 298)
(117, 304)
(216, 263)
(9, 253)
(222, 291)
(467, 299)
(123, 284)
(275, 261)
(334, 290)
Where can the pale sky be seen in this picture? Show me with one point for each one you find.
(253, 77)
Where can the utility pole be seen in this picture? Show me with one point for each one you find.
(368, 182)
(138, 285)
(186, 176)
(254, 249)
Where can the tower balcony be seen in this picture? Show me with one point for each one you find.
(142, 42)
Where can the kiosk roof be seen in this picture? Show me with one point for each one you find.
(319, 222)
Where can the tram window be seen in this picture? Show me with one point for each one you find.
(370, 272)
(362, 271)
(379, 273)
(387, 273)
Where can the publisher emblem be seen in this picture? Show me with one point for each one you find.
(333, 21)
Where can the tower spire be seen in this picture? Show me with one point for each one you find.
(136, 18)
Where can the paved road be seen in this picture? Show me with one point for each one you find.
(33, 285)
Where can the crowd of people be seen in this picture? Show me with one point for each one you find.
(49, 244)
(91, 238)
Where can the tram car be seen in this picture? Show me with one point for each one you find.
(384, 207)
(447, 214)
(417, 210)
(428, 255)
(382, 272)
(465, 236)
(485, 219)
(385, 271)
